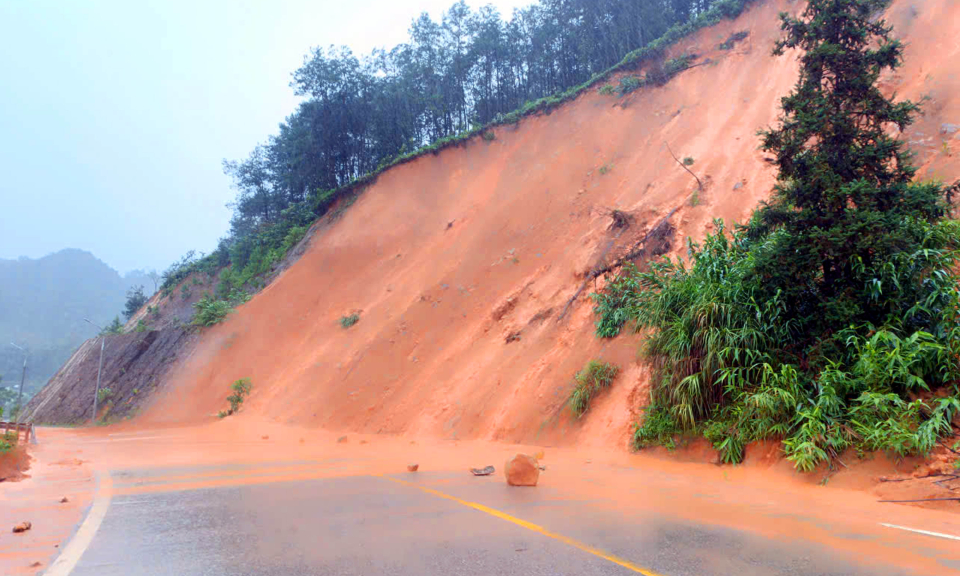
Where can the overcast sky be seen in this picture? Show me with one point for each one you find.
(115, 115)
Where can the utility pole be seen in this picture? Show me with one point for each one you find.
(96, 394)
(23, 376)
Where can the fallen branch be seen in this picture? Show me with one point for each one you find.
(933, 475)
(684, 166)
(600, 271)
(948, 448)
(921, 500)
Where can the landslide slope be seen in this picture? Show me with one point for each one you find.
(461, 264)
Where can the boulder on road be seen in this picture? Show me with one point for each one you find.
(522, 470)
(22, 527)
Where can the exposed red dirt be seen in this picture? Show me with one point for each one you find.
(13, 464)
(463, 262)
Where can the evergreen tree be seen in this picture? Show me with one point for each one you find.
(845, 201)
(135, 300)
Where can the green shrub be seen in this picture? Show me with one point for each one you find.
(489, 135)
(8, 442)
(688, 161)
(594, 377)
(210, 311)
(103, 394)
(658, 428)
(349, 320)
(241, 388)
(141, 326)
(628, 84)
(613, 304)
(607, 90)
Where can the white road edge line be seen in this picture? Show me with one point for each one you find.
(925, 532)
(67, 561)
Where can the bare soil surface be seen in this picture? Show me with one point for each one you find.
(14, 464)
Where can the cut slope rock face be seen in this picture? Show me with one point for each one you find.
(463, 263)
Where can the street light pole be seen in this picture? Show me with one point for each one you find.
(23, 376)
(96, 394)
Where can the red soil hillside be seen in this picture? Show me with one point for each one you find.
(448, 255)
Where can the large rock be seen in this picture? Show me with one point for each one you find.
(522, 470)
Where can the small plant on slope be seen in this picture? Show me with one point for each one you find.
(349, 320)
(210, 311)
(614, 304)
(241, 388)
(594, 377)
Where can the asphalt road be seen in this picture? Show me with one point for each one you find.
(411, 524)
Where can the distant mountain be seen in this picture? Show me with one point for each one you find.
(42, 306)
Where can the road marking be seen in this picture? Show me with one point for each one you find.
(124, 502)
(67, 561)
(532, 527)
(918, 531)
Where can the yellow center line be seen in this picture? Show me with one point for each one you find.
(532, 527)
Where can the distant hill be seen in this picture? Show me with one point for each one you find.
(42, 306)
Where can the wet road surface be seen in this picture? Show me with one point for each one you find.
(460, 525)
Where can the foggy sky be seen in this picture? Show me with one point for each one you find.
(115, 115)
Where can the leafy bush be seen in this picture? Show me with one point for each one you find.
(613, 304)
(607, 90)
(594, 377)
(628, 84)
(210, 311)
(8, 442)
(241, 388)
(489, 135)
(349, 320)
(103, 394)
(658, 427)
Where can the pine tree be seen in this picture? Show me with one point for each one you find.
(845, 205)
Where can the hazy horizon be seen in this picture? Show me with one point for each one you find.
(117, 115)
